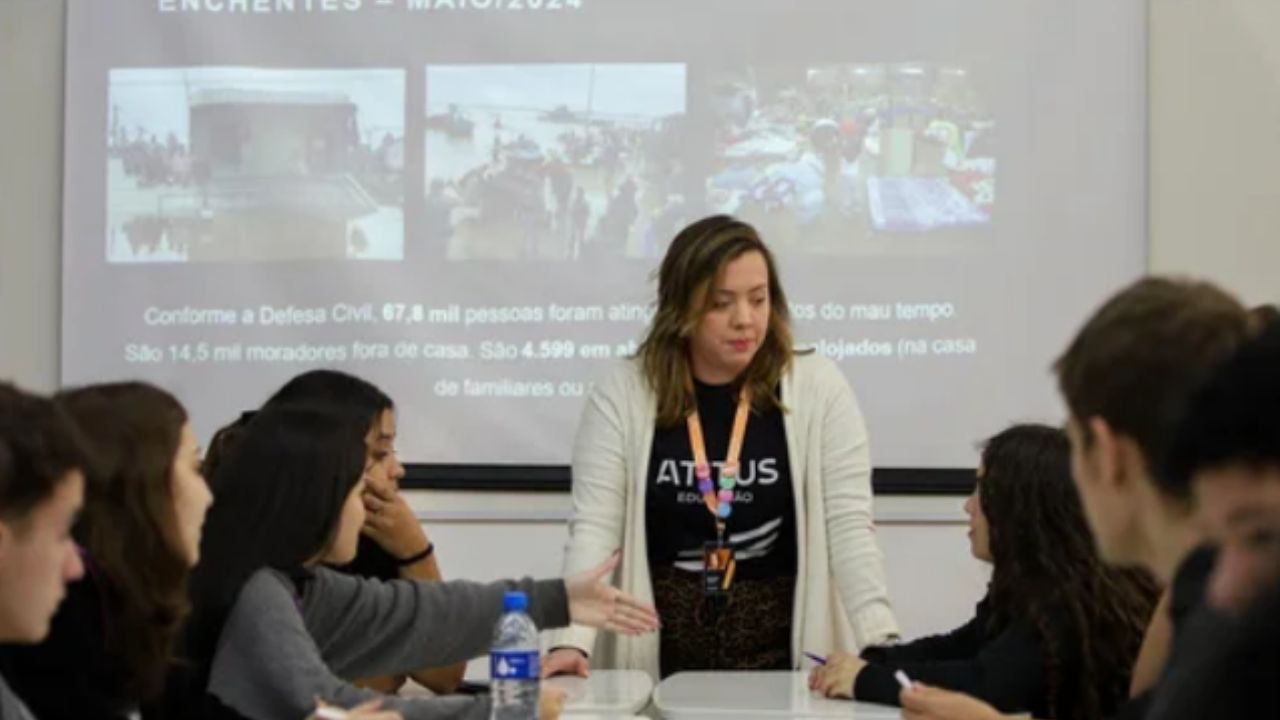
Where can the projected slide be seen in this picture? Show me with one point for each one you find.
(467, 202)
(242, 164)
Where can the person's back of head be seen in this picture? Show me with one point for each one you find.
(1127, 377)
(42, 458)
(1139, 358)
(144, 502)
(1046, 571)
(281, 493)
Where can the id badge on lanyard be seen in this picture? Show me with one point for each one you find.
(718, 568)
(718, 562)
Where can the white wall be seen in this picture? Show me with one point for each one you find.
(31, 50)
(1215, 142)
(1214, 210)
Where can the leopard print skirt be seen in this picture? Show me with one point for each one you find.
(750, 629)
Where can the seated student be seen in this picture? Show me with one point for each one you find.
(1228, 457)
(112, 640)
(1058, 631)
(272, 627)
(393, 543)
(1127, 378)
(41, 490)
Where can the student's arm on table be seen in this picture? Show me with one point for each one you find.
(921, 702)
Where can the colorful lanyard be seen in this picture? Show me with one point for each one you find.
(719, 504)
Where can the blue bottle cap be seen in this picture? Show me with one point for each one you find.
(514, 601)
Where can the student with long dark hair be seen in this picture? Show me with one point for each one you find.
(112, 641)
(393, 544)
(273, 628)
(1057, 632)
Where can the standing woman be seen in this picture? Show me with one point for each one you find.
(734, 475)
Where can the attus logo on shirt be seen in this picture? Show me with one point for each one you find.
(761, 471)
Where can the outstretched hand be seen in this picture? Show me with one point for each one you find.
(594, 603)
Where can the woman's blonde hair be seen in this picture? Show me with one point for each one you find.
(697, 256)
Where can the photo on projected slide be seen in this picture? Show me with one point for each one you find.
(836, 159)
(557, 162)
(235, 164)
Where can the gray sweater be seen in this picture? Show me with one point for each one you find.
(278, 653)
(11, 708)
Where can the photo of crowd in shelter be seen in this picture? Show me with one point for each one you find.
(826, 157)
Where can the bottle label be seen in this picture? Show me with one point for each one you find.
(514, 665)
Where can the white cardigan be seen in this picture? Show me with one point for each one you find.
(841, 602)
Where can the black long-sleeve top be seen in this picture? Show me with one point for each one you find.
(1006, 668)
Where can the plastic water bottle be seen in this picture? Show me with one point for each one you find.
(514, 662)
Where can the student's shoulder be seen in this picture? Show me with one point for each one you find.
(266, 586)
(270, 595)
(10, 705)
(273, 588)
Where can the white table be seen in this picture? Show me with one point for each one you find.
(737, 695)
(605, 692)
(605, 695)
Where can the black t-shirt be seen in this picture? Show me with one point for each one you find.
(762, 527)
(1005, 668)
